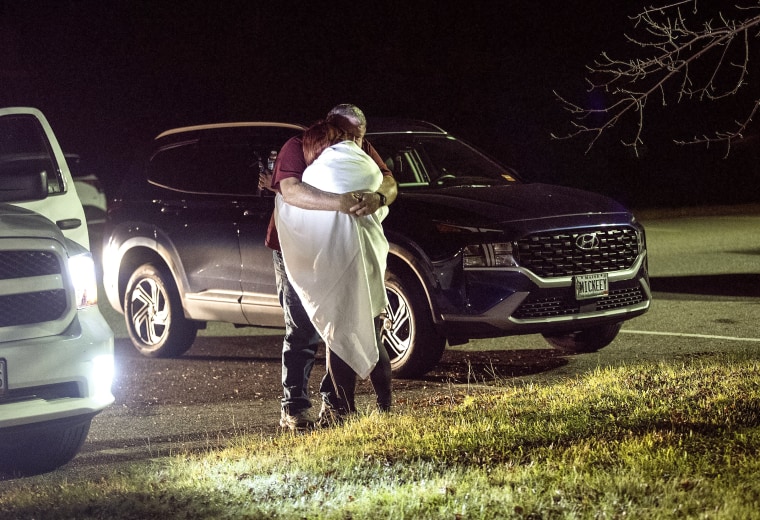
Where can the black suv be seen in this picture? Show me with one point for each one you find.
(474, 252)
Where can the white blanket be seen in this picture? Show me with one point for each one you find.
(336, 262)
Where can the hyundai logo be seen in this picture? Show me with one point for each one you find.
(587, 242)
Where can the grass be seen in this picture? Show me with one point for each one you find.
(669, 440)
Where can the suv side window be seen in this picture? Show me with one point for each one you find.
(405, 158)
(174, 167)
(24, 146)
(217, 161)
(229, 166)
(205, 167)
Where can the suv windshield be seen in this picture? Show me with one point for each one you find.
(438, 160)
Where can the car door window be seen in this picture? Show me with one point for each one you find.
(206, 167)
(228, 168)
(173, 166)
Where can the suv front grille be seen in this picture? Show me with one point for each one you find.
(32, 306)
(562, 302)
(560, 254)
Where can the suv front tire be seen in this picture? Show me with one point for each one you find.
(410, 337)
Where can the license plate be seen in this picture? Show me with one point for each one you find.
(3, 377)
(591, 286)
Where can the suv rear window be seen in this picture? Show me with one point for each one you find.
(24, 146)
(221, 161)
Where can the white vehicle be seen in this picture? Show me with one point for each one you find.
(90, 190)
(56, 349)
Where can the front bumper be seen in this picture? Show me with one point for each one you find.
(513, 301)
(58, 377)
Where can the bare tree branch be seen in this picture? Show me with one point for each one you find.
(682, 59)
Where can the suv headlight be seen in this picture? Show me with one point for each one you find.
(489, 255)
(82, 269)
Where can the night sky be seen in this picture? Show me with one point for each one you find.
(110, 75)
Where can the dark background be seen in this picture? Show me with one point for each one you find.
(110, 75)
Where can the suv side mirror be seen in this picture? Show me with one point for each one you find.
(23, 185)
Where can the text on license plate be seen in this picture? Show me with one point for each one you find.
(3, 377)
(591, 286)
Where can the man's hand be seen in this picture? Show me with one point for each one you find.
(265, 181)
(348, 201)
(365, 203)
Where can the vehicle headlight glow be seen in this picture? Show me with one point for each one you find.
(103, 374)
(489, 255)
(82, 269)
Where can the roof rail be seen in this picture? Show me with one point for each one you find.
(383, 125)
(226, 125)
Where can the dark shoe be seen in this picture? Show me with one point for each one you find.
(329, 417)
(297, 422)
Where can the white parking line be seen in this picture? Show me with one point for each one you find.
(680, 334)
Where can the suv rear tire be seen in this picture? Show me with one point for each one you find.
(586, 340)
(412, 342)
(154, 316)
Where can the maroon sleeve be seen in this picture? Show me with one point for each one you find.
(290, 162)
(370, 150)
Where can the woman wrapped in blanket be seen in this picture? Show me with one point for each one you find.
(336, 263)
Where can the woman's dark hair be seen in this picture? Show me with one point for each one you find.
(319, 136)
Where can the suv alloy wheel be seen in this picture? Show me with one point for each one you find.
(154, 316)
(410, 336)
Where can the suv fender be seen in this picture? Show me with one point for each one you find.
(125, 256)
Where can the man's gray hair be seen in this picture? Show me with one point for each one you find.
(350, 112)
